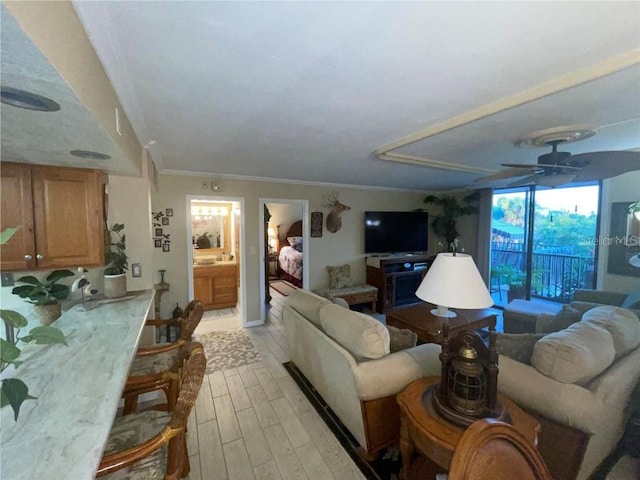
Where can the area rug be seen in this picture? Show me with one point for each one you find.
(283, 287)
(386, 467)
(227, 349)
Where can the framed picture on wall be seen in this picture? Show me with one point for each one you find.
(624, 241)
(158, 232)
(166, 247)
(169, 212)
(316, 224)
(157, 243)
(165, 220)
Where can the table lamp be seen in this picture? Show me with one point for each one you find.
(453, 281)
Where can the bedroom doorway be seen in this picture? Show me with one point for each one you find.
(284, 233)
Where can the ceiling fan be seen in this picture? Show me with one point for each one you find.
(558, 168)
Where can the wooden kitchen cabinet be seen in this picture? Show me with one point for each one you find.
(215, 286)
(60, 211)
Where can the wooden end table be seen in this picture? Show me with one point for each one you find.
(428, 327)
(423, 430)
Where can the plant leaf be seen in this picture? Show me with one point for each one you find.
(117, 227)
(58, 275)
(46, 335)
(59, 291)
(15, 319)
(14, 392)
(9, 352)
(29, 279)
(5, 235)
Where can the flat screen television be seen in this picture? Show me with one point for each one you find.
(396, 232)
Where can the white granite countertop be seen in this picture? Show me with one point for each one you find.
(62, 434)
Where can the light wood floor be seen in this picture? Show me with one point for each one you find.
(253, 422)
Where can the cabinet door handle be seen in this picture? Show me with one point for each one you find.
(39, 257)
(28, 257)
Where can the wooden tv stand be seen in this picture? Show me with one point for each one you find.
(397, 278)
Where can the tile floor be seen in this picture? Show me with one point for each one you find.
(253, 423)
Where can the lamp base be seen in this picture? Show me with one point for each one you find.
(444, 313)
(444, 408)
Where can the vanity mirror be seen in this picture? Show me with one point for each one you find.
(211, 226)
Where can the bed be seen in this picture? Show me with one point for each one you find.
(290, 254)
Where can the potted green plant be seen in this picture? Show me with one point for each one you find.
(634, 209)
(515, 279)
(14, 391)
(45, 295)
(444, 223)
(115, 279)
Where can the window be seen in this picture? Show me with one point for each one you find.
(542, 242)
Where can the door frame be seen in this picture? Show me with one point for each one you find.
(261, 245)
(243, 257)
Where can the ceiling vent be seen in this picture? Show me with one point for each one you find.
(27, 100)
(89, 155)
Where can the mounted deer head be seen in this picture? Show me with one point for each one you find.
(334, 222)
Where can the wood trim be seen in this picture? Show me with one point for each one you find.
(381, 419)
(562, 447)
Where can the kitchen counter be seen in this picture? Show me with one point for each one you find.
(63, 432)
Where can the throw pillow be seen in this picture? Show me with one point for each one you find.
(574, 355)
(362, 336)
(340, 301)
(622, 325)
(339, 277)
(565, 317)
(293, 241)
(632, 300)
(401, 339)
(517, 346)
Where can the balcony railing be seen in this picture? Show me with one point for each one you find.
(555, 276)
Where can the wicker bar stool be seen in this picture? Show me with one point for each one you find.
(152, 444)
(157, 368)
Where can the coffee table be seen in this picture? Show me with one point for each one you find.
(428, 327)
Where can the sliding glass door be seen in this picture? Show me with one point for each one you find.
(543, 242)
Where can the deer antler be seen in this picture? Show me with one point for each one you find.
(333, 198)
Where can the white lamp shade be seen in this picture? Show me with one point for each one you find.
(454, 282)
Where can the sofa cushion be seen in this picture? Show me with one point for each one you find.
(574, 355)
(307, 304)
(401, 338)
(622, 325)
(339, 277)
(362, 336)
(518, 346)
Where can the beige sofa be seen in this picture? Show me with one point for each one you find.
(346, 356)
(578, 385)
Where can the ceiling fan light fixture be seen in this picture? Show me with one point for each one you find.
(27, 100)
(555, 180)
(565, 134)
(90, 155)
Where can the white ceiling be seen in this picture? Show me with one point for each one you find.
(308, 91)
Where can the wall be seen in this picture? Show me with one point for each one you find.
(124, 194)
(624, 188)
(345, 246)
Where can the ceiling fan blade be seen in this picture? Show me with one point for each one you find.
(542, 166)
(601, 165)
(521, 165)
(508, 173)
(530, 180)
